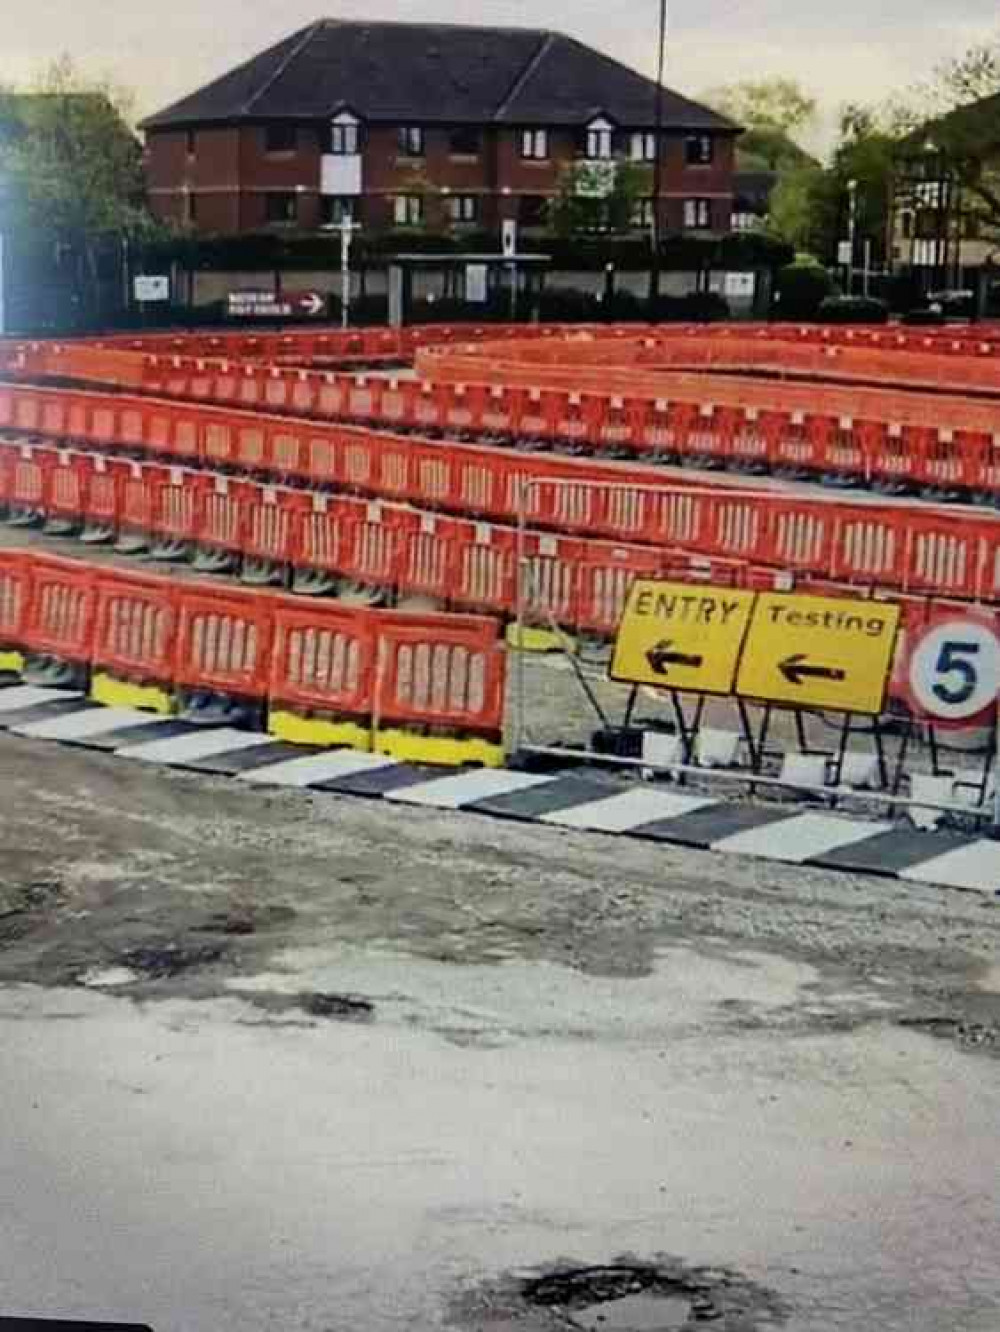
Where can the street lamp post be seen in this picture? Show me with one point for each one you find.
(852, 228)
(661, 47)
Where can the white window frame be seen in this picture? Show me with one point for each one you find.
(642, 213)
(694, 211)
(407, 137)
(345, 136)
(535, 145)
(407, 210)
(599, 140)
(642, 146)
(463, 209)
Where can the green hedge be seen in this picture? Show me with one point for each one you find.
(267, 252)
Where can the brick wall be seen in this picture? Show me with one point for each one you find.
(231, 173)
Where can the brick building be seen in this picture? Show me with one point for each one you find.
(435, 126)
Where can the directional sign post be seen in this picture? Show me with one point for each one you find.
(680, 636)
(819, 652)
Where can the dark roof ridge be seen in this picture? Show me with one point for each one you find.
(305, 37)
(544, 46)
(415, 23)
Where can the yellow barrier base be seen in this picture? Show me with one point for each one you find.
(126, 694)
(532, 638)
(319, 731)
(11, 663)
(441, 750)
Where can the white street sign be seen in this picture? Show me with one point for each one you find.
(739, 284)
(151, 287)
(954, 670)
(475, 283)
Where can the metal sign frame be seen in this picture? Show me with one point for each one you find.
(888, 800)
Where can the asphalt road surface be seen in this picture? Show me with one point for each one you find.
(284, 1059)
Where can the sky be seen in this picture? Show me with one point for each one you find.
(850, 50)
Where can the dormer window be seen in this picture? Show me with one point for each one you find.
(345, 136)
(599, 140)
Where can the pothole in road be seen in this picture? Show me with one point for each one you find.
(628, 1298)
(663, 1294)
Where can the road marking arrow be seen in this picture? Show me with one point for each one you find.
(796, 670)
(661, 658)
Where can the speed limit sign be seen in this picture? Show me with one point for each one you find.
(953, 673)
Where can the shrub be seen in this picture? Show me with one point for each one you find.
(853, 310)
(800, 290)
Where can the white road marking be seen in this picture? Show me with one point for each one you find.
(465, 788)
(797, 840)
(309, 769)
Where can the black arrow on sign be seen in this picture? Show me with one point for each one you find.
(661, 658)
(797, 670)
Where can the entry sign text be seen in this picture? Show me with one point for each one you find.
(681, 636)
(819, 652)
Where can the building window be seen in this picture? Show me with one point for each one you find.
(410, 141)
(191, 139)
(699, 149)
(280, 139)
(344, 138)
(744, 221)
(464, 142)
(697, 214)
(336, 209)
(463, 208)
(190, 208)
(598, 142)
(407, 210)
(642, 147)
(280, 208)
(535, 144)
(906, 223)
(642, 214)
(533, 210)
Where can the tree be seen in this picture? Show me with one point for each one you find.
(73, 170)
(797, 206)
(765, 104)
(598, 197)
(953, 120)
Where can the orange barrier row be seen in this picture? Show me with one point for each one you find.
(365, 671)
(305, 657)
(915, 548)
(937, 385)
(323, 343)
(270, 530)
(870, 437)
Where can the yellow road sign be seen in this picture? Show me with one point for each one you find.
(820, 652)
(681, 636)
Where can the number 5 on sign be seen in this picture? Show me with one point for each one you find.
(954, 669)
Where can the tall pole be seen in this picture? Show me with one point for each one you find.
(661, 48)
(346, 230)
(852, 225)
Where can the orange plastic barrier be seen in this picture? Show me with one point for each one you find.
(60, 619)
(884, 544)
(863, 434)
(417, 675)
